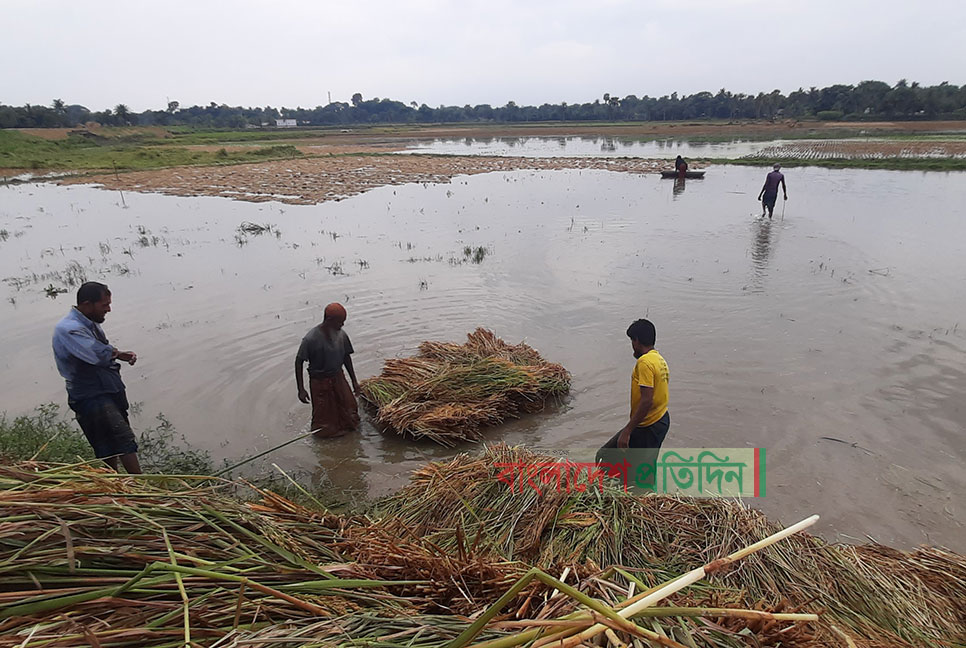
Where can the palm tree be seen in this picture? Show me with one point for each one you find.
(58, 105)
(122, 113)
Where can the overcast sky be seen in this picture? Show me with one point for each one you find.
(285, 53)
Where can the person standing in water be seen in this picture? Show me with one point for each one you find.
(327, 349)
(769, 191)
(649, 420)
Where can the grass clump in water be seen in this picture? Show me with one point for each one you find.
(52, 291)
(474, 254)
(255, 229)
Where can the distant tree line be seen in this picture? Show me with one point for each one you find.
(869, 100)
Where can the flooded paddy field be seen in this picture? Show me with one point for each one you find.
(861, 150)
(935, 147)
(835, 338)
(586, 146)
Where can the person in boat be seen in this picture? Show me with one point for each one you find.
(769, 191)
(327, 349)
(681, 166)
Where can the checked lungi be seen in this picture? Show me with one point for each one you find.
(334, 408)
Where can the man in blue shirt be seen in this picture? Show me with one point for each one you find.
(94, 388)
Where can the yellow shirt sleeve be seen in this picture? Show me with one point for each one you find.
(650, 371)
(645, 374)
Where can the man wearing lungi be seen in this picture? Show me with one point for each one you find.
(769, 191)
(327, 349)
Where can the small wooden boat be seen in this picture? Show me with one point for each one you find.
(687, 174)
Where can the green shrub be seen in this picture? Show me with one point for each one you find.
(829, 115)
(278, 150)
(159, 452)
(44, 435)
(48, 435)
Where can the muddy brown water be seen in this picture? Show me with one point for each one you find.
(845, 320)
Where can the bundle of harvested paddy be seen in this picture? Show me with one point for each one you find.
(458, 582)
(89, 557)
(884, 596)
(93, 558)
(449, 391)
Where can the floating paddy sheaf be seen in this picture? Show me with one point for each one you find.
(454, 559)
(448, 392)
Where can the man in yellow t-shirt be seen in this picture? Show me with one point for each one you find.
(649, 420)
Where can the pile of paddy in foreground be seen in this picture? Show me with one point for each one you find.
(449, 391)
(90, 558)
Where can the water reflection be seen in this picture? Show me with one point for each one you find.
(584, 146)
(678, 189)
(762, 248)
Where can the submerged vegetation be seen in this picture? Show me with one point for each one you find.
(74, 273)
(475, 254)
(256, 229)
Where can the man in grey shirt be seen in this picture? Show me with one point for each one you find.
(327, 349)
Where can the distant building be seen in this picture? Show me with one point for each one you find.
(285, 123)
